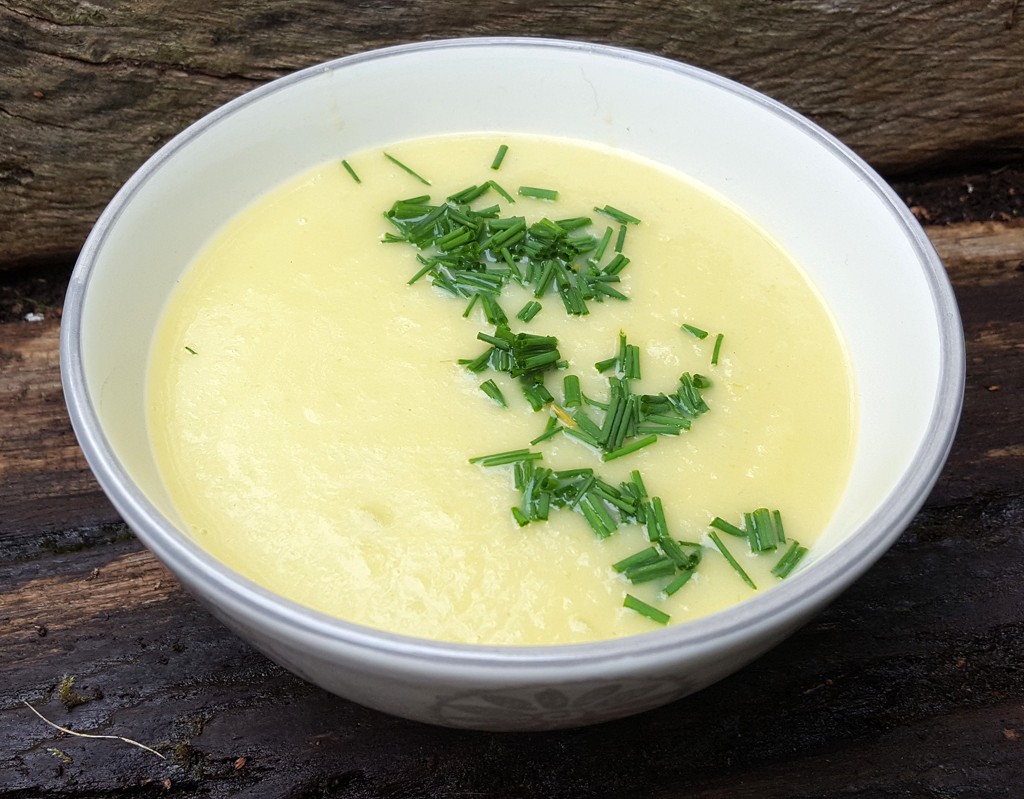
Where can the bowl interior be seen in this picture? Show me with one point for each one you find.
(861, 249)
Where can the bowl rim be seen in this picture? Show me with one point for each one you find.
(789, 601)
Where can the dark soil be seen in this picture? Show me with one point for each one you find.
(997, 195)
(29, 290)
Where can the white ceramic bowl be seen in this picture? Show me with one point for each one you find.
(867, 255)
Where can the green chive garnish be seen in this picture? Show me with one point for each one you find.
(760, 530)
(540, 194)
(552, 429)
(732, 561)
(642, 558)
(572, 396)
(621, 238)
(630, 448)
(490, 388)
(651, 571)
(528, 311)
(681, 579)
(192, 351)
(780, 533)
(644, 609)
(607, 237)
(508, 197)
(789, 561)
(617, 215)
(725, 527)
(674, 550)
(472, 254)
(504, 458)
(718, 348)
(351, 171)
(638, 483)
(399, 164)
(499, 157)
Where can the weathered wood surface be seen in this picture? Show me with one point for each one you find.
(910, 685)
(88, 90)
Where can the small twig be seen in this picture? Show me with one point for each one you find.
(89, 735)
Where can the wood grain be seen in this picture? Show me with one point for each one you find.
(89, 90)
(909, 685)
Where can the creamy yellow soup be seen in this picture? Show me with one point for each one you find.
(314, 427)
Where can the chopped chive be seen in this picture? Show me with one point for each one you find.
(351, 171)
(505, 458)
(718, 348)
(607, 237)
(572, 396)
(540, 194)
(490, 388)
(638, 482)
(616, 264)
(631, 365)
(641, 558)
(552, 429)
(399, 164)
(540, 359)
(494, 185)
(617, 215)
(499, 157)
(496, 341)
(721, 524)
(528, 311)
(468, 194)
(780, 533)
(732, 561)
(644, 609)
(621, 238)
(630, 448)
(586, 424)
(521, 518)
(613, 496)
(663, 567)
(492, 311)
(681, 579)
(761, 532)
(573, 222)
(656, 520)
(696, 331)
(594, 520)
(601, 511)
(192, 351)
(536, 395)
(480, 362)
(427, 268)
(674, 550)
(455, 238)
(789, 561)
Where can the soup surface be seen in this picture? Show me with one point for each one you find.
(314, 426)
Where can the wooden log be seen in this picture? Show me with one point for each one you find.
(89, 90)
